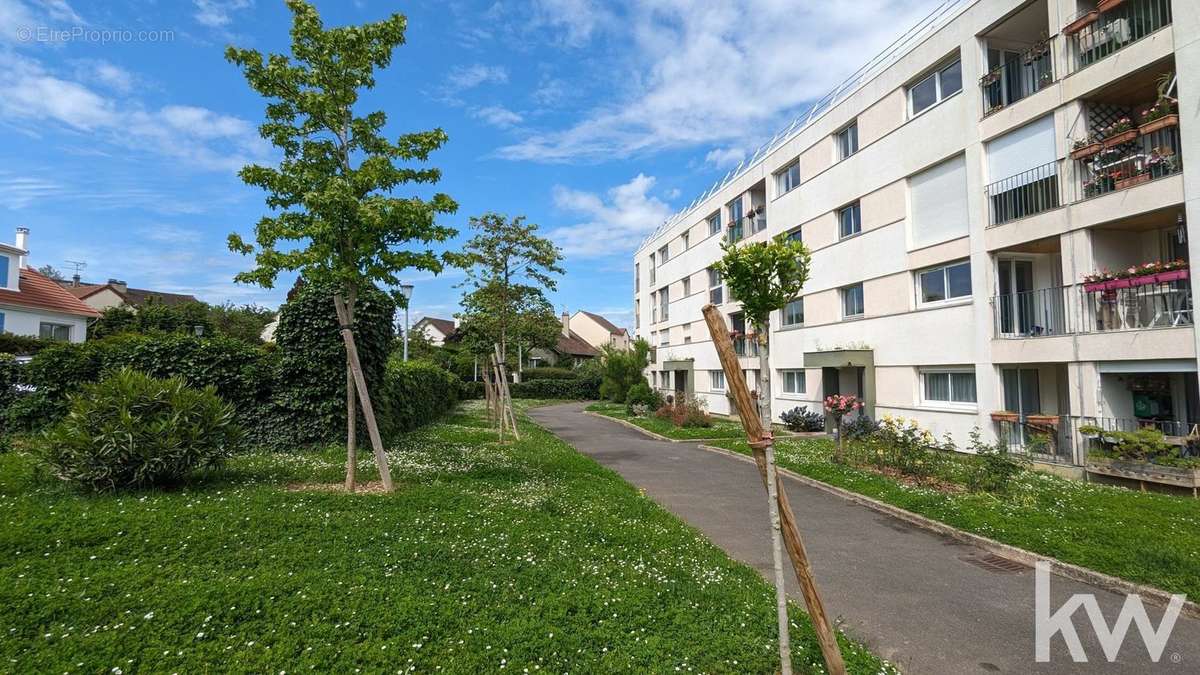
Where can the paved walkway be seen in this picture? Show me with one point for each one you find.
(911, 595)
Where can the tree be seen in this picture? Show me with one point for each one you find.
(764, 276)
(50, 271)
(622, 369)
(333, 218)
(509, 268)
(245, 322)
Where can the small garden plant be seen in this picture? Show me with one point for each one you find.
(801, 418)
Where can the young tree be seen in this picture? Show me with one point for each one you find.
(622, 369)
(508, 269)
(765, 276)
(333, 218)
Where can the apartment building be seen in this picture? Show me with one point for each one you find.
(960, 204)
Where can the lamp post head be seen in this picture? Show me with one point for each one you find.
(406, 290)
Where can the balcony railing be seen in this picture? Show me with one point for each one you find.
(1088, 308)
(1024, 194)
(1120, 164)
(745, 346)
(1017, 78)
(1117, 28)
(1057, 439)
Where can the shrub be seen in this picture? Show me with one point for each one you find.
(20, 345)
(860, 427)
(32, 412)
(686, 413)
(132, 430)
(547, 373)
(577, 389)
(994, 466)
(415, 393)
(623, 369)
(801, 418)
(10, 377)
(642, 394)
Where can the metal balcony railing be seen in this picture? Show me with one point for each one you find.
(1017, 78)
(1117, 28)
(1093, 308)
(1124, 164)
(1057, 439)
(1024, 194)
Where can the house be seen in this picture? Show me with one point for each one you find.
(570, 350)
(437, 331)
(598, 331)
(116, 293)
(962, 219)
(35, 305)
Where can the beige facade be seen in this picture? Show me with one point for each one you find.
(951, 231)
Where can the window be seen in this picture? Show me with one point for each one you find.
(944, 283)
(654, 378)
(687, 333)
(717, 379)
(793, 381)
(715, 291)
(735, 219)
(664, 337)
(54, 331)
(687, 286)
(662, 254)
(1, 322)
(654, 307)
(637, 277)
(787, 178)
(793, 313)
(849, 220)
(938, 196)
(637, 313)
(847, 141)
(852, 301)
(795, 235)
(936, 87)
(948, 387)
(3, 271)
(664, 298)
(714, 223)
(652, 271)
(685, 237)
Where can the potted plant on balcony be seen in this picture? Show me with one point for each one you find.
(1108, 5)
(1040, 420)
(1005, 416)
(991, 77)
(1175, 270)
(1117, 133)
(1158, 116)
(1080, 22)
(1162, 162)
(1082, 148)
(1099, 184)
(1128, 179)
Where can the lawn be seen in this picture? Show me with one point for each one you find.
(522, 557)
(721, 428)
(1143, 537)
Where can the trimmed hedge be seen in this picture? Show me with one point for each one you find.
(10, 376)
(548, 373)
(20, 345)
(414, 394)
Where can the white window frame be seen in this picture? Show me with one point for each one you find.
(716, 380)
(664, 253)
(687, 333)
(939, 95)
(802, 378)
(686, 239)
(842, 299)
(719, 287)
(918, 282)
(687, 286)
(856, 207)
(54, 324)
(783, 314)
(664, 301)
(784, 182)
(843, 134)
(714, 223)
(926, 402)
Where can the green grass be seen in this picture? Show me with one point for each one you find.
(1144, 537)
(523, 556)
(721, 428)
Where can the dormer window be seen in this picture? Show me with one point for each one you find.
(6, 264)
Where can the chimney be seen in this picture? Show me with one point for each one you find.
(23, 244)
(119, 285)
(75, 280)
(566, 324)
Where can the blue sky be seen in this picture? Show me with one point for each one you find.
(596, 120)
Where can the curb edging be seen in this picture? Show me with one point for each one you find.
(651, 434)
(1155, 596)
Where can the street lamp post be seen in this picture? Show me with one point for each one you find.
(406, 290)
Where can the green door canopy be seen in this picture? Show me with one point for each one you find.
(678, 365)
(840, 358)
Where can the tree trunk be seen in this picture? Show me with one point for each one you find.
(385, 474)
(351, 411)
(764, 407)
(752, 422)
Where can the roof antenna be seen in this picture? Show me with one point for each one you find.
(78, 266)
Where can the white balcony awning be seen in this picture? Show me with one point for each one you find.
(1148, 366)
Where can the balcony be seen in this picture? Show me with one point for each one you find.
(1024, 194)
(1022, 75)
(1127, 159)
(1098, 33)
(1093, 308)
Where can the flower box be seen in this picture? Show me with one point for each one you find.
(1173, 275)
(1135, 179)
(1160, 123)
(1108, 5)
(1085, 151)
(1143, 280)
(1042, 420)
(1005, 416)
(1120, 138)
(1117, 283)
(1095, 286)
(1145, 472)
(1081, 22)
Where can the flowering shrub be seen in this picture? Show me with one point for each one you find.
(1132, 271)
(686, 413)
(1119, 127)
(1162, 108)
(839, 406)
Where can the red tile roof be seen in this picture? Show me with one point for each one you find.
(42, 292)
(131, 296)
(574, 345)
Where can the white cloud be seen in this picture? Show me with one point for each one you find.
(577, 19)
(106, 74)
(462, 78)
(715, 73)
(18, 192)
(614, 223)
(498, 116)
(725, 157)
(218, 13)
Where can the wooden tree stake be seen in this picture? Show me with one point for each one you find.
(759, 442)
(385, 474)
(506, 394)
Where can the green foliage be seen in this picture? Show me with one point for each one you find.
(509, 269)
(32, 412)
(131, 430)
(10, 377)
(577, 389)
(309, 400)
(153, 316)
(414, 394)
(685, 413)
(1144, 445)
(622, 369)
(764, 275)
(640, 394)
(994, 467)
(332, 216)
(861, 426)
(801, 418)
(245, 322)
(20, 345)
(548, 373)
